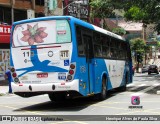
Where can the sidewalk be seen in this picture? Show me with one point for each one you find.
(3, 87)
(3, 90)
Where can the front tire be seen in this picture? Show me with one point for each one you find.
(103, 93)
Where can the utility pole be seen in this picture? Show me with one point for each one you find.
(12, 10)
(33, 4)
(46, 7)
(79, 12)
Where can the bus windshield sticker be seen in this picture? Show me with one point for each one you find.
(66, 62)
(42, 32)
(63, 31)
(34, 34)
(64, 55)
(61, 76)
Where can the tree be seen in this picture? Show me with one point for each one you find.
(138, 47)
(146, 11)
(119, 31)
(102, 9)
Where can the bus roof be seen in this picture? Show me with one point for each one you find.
(78, 21)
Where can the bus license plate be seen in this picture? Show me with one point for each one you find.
(42, 75)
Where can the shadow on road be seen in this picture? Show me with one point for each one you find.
(76, 104)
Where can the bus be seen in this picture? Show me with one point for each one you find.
(65, 57)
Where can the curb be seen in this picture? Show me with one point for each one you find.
(158, 92)
(3, 83)
(2, 94)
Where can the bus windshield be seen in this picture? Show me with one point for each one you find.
(42, 32)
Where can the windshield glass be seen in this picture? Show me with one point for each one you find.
(42, 32)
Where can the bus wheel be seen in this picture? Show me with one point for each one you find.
(103, 93)
(56, 97)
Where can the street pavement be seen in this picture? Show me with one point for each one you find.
(117, 103)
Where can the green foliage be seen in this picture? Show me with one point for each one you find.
(101, 8)
(158, 44)
(134, 13)
(119, 31)
(146, 11)
(138, 45)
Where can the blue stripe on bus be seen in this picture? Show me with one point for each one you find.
(38, 65)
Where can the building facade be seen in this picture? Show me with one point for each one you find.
(15, 10)
(11, 11)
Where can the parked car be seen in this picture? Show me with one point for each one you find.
(153, 69)
(145, 68)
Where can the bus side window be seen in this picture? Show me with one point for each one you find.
(106, 52)
(97, 51)
(105, 46)
(79, 41)
(97, 44)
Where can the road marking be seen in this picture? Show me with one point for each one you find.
(149, 88)
(130, 85)
(156, 84)
(38, 113)
(137, 94)
(110, 107)
(127, 113)
(143, 110)
(137, 86)
(141, 85)
(10, 107)
(142, 92)
(13, 95)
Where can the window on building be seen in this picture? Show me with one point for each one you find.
(5, 15)
(23, 0)
(39, 2)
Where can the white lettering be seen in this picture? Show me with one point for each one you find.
(5, 30)
(84, 11)
(1, 29)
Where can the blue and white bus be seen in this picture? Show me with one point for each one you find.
(63, 56)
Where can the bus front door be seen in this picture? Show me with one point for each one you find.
(89, 55)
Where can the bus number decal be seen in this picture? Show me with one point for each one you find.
(27, 54)
(64, 54)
